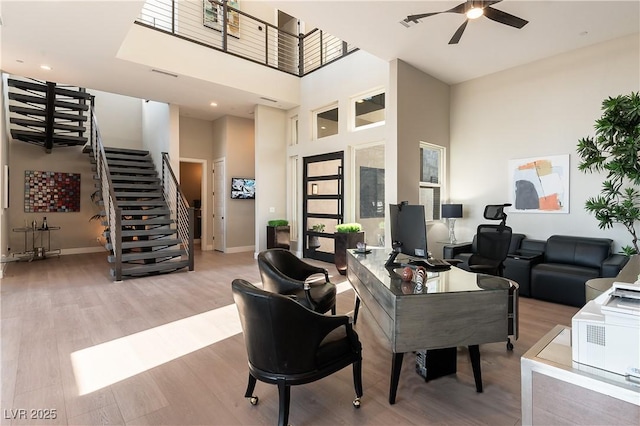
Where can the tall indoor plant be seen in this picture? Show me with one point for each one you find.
(615, 149)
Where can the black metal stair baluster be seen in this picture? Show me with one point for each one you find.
(50, 110)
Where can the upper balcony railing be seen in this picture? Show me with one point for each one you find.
(219, 25)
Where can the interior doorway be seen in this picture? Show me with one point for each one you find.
(287, 42)
(219, 228)
(194, 188)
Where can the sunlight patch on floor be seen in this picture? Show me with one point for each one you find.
(107, 363)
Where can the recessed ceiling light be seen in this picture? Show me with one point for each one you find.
(20, 61)
(45, 67)
(213, 104)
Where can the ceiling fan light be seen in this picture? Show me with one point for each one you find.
(475, 12)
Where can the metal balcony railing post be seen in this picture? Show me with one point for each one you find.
(321, 49)
(266, 45)
(173, 16)
(225, 20)
(301, 38)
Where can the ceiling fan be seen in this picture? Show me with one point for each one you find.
(473, 10)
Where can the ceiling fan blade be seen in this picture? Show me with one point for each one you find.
(415, 18)
(504, 17)
(456, 37)
(488, 3)
(461, 8)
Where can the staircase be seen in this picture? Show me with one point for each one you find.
(46, 114)
(145, 234)
(150, 243)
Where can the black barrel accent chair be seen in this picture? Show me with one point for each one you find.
(284, 273)
(288, 344)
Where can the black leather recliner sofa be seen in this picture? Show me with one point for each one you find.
(554, 270)
(568, 263)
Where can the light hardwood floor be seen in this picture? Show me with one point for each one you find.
(164, 350)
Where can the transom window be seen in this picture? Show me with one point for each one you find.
(326, 121)
(368, 110)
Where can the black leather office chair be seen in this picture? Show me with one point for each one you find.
(492, 242)
(282, 272)
(288, 344)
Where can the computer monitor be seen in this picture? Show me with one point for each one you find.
(408, 229)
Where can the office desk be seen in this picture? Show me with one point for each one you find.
(455, 308)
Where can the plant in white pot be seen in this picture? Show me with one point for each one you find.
(314, 242)
(347, 236)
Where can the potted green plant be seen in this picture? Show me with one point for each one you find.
(314, 242)
(614, 149)
(347, 236)
(278, 232)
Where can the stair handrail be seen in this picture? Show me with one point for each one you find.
(113, 213)
(181, 212)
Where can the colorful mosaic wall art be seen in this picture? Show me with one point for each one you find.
(51, 192)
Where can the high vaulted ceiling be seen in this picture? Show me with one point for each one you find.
(81, 40)
(485, 47)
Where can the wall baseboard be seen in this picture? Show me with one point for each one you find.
(239, 249)
(83, 250)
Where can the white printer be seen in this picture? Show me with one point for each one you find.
(605, 333)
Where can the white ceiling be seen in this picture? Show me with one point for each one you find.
(80, 40)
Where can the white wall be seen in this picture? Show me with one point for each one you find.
(355, 74)
(159, 123)
(270, 170)
(240, 161)
(542, 108)
(196, 61)
(119, 119)
(422, 116)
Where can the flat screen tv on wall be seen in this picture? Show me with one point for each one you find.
(243, 188)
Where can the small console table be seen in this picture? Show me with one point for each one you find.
(33, 252)
(556, 390)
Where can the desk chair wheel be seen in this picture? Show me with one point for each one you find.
(254, 400)
(509, 344)
(356, 402)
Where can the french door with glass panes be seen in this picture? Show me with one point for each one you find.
(323, 201)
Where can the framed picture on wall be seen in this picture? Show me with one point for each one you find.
(539, 184)
(213, 16)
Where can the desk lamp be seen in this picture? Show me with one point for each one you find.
(451, 212)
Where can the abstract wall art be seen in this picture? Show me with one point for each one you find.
(51, 192)
(539, 184)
